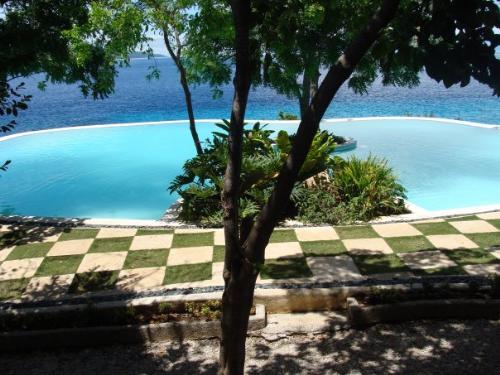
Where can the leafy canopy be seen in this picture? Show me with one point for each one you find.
(77, 41)
(452, 41)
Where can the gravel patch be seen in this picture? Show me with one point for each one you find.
(437, 347)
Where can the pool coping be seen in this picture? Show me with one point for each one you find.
(291, 122)
(417, 213)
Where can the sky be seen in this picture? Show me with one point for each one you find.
(157, 43)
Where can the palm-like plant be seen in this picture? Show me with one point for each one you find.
(201, 182)
(370, 185)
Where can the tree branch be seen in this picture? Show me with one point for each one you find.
(230, 193)
(260, 233)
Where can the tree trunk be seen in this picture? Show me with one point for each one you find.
(305, 95)
(309, 89)
(239, 274)
(176, 57)
(314, 83)
(237, 301)
(189, 107)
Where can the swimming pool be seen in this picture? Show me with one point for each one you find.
(124, 171)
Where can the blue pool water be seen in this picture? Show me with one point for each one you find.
(123, 172)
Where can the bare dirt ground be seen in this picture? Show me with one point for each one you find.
(439, 347)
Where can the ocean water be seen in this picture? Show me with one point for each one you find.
(137, 99)
(124, 172)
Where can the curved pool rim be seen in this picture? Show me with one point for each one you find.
(417, 213)
(290, 122)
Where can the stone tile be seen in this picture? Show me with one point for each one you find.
(283, 250)
(46, 235)
(495, 253)
(316, 234)
(482, 269)
(190, 255)
(217, 272)
(451, 242)
(48, 287)
(140, 278)
(219, 238)
(116, 232)
(474, 226)
(43, 234)
(341, 267)
(19, 269)
(52, 238)
(490, 215)
(71, 247)
(97, 262)
(396, 230)
(427, 260)
(192, 230)
(367, 246)
(4, 253)
(150, 242)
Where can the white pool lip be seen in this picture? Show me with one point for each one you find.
(285, 122)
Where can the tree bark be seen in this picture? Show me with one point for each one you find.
(309, 89)
(189, 107)
(239, 274)
(314, 83)
(176, 57)
(305, 95)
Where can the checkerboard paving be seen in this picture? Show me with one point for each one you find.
(41, 262)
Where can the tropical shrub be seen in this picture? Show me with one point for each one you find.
(287, 116)
(355, 190)
(201, 182)
(371, 185)
(329, 189)
(319, 204)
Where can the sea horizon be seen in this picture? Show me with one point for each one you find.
(137, 99)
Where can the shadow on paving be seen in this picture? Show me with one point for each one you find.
(444, 347)
(21, 234)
